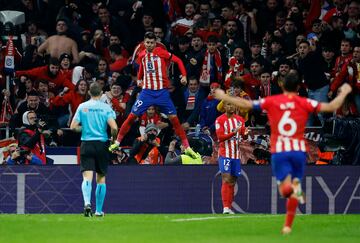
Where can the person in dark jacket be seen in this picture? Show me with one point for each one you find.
(31, 135)
(312, 69)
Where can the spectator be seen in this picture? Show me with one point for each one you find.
(212, 65)
(145, 149)
(65, 63)
(32, 104)
(232, 37)
(109, 24)
(350, 72)
(278, 77)
(20, 157)
(73, 98)
(86, 73)
(312, 68)
(329, 58)
(58, 44)
(193, 99)
(31, 136)
(117, 99)
(181, 26)
(344, 57)
(195, 56)
(119, 61)
(252, 79)
(208, 112)
(333, 36)
(51, 73)
(236, 90)
(151, 116)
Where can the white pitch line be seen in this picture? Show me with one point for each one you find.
(223, 217)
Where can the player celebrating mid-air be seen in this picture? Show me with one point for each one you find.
(229, 127)
(288, 114)
(152, 76)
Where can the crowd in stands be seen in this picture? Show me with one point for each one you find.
(244, 46)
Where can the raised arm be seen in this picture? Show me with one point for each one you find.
(336, 103)
(240, 102)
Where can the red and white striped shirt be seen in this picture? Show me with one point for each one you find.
(154, 68)
(288, 115)
(228, 139)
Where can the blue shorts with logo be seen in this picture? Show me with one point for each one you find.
(160, 98)
(288, 163)
(230, 166)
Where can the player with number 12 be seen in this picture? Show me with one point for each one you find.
(288, 114)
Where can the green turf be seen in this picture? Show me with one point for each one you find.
(173, 228)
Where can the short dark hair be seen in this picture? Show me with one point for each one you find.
(304, 42)
(95, 89)
(54, 61)
(150, 35)
(291, 82)
(212, 39)
(33, 93)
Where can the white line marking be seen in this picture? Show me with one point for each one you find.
(225, 217)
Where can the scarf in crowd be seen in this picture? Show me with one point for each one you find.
(6, 111)
(206, 67)
(190, 104)
(235, 69)
(265, 90)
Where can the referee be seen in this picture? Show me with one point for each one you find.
(91, 119)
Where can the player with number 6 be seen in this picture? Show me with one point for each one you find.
(288, 114)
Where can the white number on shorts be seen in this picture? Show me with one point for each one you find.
(286, 120)
(138, 103)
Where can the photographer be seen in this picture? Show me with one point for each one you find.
(188, 156)
(31, 135)
(19, 157)
(145, 149)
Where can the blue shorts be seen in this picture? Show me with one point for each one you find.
(288, 163)
(160, 98)
(230, 166)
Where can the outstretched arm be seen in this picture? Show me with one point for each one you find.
(336, 103)
(242, 103)
(181, 68)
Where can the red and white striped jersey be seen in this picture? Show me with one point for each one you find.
(153, 71)
(228, 139)
(145, 119)
(288, 115)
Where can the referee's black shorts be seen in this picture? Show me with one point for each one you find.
(94, 156)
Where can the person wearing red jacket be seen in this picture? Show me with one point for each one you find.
(252, 80)
(117, 99)
(350, 72)
(50, 73)
(74, 97)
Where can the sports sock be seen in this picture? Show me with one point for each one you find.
(86, 191)
(224, 193)
(100, 196)
(231, 193)
(126, 127)
(179, 131)
(291, 206)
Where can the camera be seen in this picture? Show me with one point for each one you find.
(151, 136)
(41, 123)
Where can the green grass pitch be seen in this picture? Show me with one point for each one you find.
(176, 228)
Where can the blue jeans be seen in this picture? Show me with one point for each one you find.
(319, 95)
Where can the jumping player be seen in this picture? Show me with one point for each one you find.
(288, 114)
(153, 78)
